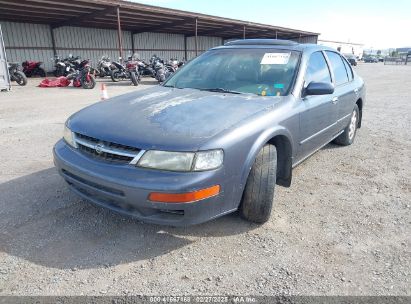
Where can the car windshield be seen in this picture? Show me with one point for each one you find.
(266, 72)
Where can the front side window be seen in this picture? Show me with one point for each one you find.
(338, 68)
(266, 72)
(317, 69)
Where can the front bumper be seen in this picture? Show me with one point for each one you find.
(125, 188)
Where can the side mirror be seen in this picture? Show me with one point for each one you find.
(319, 88)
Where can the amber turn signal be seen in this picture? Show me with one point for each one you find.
(184, 197)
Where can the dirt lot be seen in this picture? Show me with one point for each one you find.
(343, 228)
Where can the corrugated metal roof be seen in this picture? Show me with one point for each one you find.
(137, 18)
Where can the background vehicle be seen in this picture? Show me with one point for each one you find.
(370, 59)
(63, 67)
(15, 74)
(217, 136)
(127, 71)
(104, 66)
(33, 68)
(132, 68)
(351, 59)
(82, 77)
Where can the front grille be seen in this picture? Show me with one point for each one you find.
(104, 150)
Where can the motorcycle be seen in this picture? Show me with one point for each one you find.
(132, 68)
(162, 71)
(63, 67)
(104, 67)
(33, 68)
(15, 74)
(129, 71)
(145, 69)
(83, 76)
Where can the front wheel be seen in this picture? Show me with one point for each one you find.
(258, 194)
(347, 137)
(115, 75)
(88, 82)
(41, 72)
(21, 78)
(134, 78)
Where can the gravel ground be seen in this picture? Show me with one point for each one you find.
(342, 228)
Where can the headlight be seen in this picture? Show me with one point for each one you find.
(207, 160)
(173, 161)
(69, 137)
(182, 161)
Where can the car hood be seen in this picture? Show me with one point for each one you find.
(167, 118)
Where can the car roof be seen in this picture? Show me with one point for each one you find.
(273, 43)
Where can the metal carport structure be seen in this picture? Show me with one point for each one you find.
(137, 18)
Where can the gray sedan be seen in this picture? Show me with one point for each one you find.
(217, 137)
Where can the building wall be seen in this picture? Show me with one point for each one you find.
(25, 41)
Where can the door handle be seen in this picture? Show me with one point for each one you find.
(334, 100)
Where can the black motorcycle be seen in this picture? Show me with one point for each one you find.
(16, 75)
(63, 67)
(145, 69)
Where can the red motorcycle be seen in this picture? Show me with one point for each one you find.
(83, 77)
(32, 68)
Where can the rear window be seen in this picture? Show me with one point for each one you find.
(338, 68)
(348, 69)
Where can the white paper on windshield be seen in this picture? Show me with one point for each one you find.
(275, 58)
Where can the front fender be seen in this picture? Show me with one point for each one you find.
(264, 138)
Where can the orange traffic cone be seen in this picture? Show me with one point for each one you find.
(104, 94)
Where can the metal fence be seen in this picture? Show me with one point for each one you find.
(400, 60)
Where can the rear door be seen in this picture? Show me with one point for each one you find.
(344, 90)
(4, 72)
(319, 113)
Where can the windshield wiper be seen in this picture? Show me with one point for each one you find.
(171, 86)
(221, 90)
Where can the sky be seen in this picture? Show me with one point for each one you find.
(376, 24)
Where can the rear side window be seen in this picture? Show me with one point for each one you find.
(338, 68)
(349, 70)
(317, 69)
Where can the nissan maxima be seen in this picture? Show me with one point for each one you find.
(216, 137)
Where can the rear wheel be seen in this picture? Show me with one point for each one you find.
(21, 78)
(347, 137)
(258, 194)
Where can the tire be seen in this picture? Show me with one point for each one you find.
(88, 84)
(21, 78)
(41, 72)
(134, 79)
(258, 194)
(57, 73)
(114, 76)
(348, 136)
